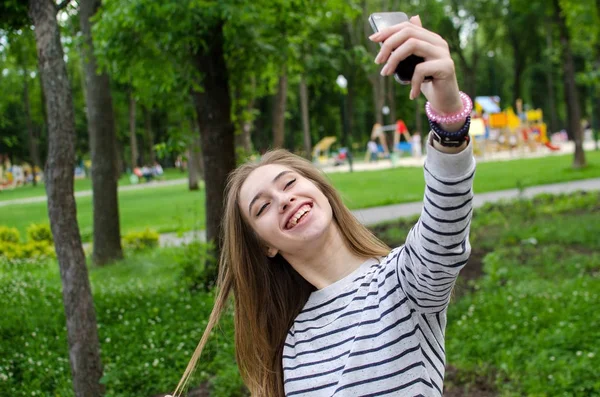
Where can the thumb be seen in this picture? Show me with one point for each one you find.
(416, 20)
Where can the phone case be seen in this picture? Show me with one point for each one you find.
(381, 20)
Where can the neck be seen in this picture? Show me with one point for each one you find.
(327, 261)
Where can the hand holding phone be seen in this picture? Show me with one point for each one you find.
(401, 40)
(406, 68)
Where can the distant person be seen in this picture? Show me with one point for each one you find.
(372, 150)
(322, 307)
(157, 170)
(147, 173)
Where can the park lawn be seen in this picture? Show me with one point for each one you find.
(80, 185)
(173, 208)
(163, 209)
(528, 326)
(399, 185)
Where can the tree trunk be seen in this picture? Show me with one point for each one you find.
(550, 83)
(279, 109)
(418, 119)
(103, 145)
(82, 336)
(132, 134)
(243, 138)
(378, 84)
(571, 94)
(391, 98)
(305, 118)
(193, 160)
(519, 66)
(149, 141)
(34, 152)
(213, 107)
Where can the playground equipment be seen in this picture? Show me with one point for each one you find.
(506, 129)
(378, 133)
(320, 152)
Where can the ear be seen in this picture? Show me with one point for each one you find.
(271, 252)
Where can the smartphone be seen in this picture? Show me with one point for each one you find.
(406, 68)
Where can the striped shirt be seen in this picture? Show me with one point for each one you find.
(380, 330)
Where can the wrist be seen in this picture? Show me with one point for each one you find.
(453, 114)
(453, 127)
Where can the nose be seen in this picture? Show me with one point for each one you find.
(286, 201)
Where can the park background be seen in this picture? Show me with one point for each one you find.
(198, 86)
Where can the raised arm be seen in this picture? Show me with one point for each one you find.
(437, 247)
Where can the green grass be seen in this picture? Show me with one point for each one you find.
(173, 208)
(164, 209)
(148, 325)
(80, 185)
(398, 185)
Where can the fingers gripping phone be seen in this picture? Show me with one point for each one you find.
(406, 68)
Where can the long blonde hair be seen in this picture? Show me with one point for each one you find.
(268, 292)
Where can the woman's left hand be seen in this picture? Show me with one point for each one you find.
(404, 39)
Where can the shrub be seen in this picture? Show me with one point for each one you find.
(38, 249)
(9, 250)
(140, 241)
(39, 233)
(198, 266)
(9, 234)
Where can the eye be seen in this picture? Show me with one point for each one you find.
(262, 209)
(289, 183)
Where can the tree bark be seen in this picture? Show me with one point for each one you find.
(519, 66)
(279, 109)
(103, 145)
(132, 134)
(305, 118)
(213, 107)
(243, 139)
(193, 161)
(550, 83)
(149, 141)
(571, 94)
(391, 98)
(82, 336)
(34, 152)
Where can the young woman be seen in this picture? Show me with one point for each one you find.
(322, 307)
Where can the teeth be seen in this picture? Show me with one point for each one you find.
(294, 219)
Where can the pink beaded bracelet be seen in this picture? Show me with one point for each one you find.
(451, 118)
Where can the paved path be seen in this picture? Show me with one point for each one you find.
(372, 216)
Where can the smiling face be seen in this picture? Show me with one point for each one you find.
(286, 210)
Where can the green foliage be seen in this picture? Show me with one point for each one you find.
(148, 324)
(39, 247)
(140, 241)
(40, 233)
(197, 262)
(17, 252)
(9, 234)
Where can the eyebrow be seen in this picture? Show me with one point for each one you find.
(282, 173)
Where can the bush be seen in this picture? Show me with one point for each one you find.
(40, 233)
(198, 266)
(140, 241)
(10, 250)
(38, 249)
(9, 234)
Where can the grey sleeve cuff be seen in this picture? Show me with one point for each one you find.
(450, 166)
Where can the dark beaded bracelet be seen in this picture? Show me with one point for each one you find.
(450, 139)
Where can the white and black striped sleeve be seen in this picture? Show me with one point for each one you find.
(437, 247)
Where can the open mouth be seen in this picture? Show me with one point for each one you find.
(299, 216)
